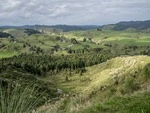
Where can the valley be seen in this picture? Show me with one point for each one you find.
(75, 69)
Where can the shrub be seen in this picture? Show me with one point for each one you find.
(129, 86)
(147, 71)
(17, 99)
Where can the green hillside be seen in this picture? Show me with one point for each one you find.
(113, 82)
(113, 37)
(128, 25)
(62, 43)
(93, 71)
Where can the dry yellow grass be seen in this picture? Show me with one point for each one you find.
(102, 74)
(92, 80)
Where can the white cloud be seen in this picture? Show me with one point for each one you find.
(21, 12)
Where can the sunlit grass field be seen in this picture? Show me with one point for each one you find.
(113, 37)
(7, 54)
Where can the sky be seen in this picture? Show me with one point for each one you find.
(72, 12)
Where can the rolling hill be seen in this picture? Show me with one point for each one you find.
(50, 42)
(121, 78)
(82, 71)
(128, 25)
(64, 28)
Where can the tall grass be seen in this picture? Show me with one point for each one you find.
(18, 99)
(128, 104)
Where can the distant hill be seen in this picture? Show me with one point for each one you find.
(73, 27)
(64, 28)
(124, 25)
(130, 25)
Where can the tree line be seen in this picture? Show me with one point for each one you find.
(41, 64)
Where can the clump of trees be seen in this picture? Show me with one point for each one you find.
(41, 64)
(84, 39)
(35, 49)
(31, 31)
(5, 35)
(74, 41)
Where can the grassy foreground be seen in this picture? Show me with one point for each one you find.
(130, 104)
(15, 99)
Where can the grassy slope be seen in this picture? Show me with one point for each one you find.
(128, 104)
(98, 74)
(113, 37)
(115, 68)
(16, 32)
(47, 41)
(99, 83)
(44, 41)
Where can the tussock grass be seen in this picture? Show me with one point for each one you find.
(15, 99)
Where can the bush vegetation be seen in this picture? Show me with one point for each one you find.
(18, 99)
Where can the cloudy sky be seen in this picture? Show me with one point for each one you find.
(79, 12)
